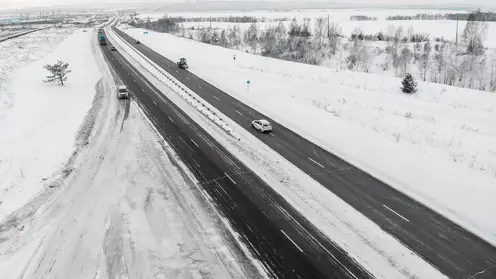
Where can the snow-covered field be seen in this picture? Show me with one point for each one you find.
(123, 206)
(37, 119)
(436, 28)
(436, 145)
(19, 52)
(334, 14)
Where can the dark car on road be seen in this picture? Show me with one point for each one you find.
(112, 48)
(182, 63)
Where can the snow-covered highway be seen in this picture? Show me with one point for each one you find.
(450, 248)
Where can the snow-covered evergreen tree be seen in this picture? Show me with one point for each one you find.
(409, 84)
(58, 72)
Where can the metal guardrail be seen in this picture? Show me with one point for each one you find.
(21, 34)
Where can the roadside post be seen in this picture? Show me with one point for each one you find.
(248, 85)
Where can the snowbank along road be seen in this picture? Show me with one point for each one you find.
(286, 245)
(447, 246)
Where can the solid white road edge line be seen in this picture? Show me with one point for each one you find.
(315, 240)
(399, 215)
(316, 162)
(230, 178)
(194, 161)
(222, 188)
(296, 245)
(194, 143)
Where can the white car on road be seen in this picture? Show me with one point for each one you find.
(262, 125)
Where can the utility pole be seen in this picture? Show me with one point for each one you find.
(456, 42)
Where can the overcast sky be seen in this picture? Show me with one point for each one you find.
(15, 4)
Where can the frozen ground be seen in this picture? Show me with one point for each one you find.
(122, 206)
(377, 251)
(36, 119)
(436, 145)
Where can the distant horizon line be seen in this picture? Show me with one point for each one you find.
(229, 6)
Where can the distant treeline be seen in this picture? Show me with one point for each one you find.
(233, 19)
(362, 17)
(413, 38)
(479, 16)
(164, 25)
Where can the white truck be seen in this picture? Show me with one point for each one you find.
(122, 92)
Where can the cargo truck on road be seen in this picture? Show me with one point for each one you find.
(102, 40)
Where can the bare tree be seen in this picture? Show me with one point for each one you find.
(182, 30)
(474, 33)
(360, 55)
(281, 31)
(367, 57)
(215, 38)
(450, 71)
(251, 36)
(405, 59)
(318, 32)
(334, 37)
(223, 39)
(268, 42)
(480, 72)
(410, 33)
(425, 60)
(417, 48)
(492, 74)
(234, 36)
(58, 72)
(354, 58)
(394, 46)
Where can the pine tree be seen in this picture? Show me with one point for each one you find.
(58, 72)
(409, 84)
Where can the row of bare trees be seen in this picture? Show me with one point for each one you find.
(464, 64)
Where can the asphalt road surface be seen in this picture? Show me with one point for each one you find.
(453, 250)
(286, 244)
